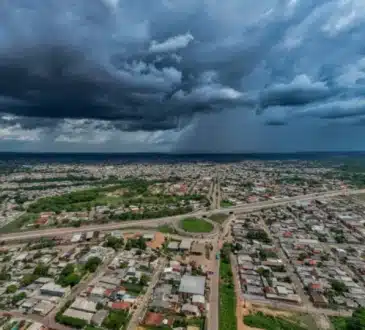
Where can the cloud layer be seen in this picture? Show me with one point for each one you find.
(158, 74)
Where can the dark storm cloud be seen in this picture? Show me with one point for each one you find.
(99, 60)
(300, 91)
(164, 65)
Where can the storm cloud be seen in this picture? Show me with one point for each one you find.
(165, 68)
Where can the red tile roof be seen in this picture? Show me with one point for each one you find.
(122, 305)
(155, 319)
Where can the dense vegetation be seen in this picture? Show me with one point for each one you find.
(268, 322)
(195, 225)
(355, 322)
(227, 297)
(258, 235)
(114, 242)
(116, 320)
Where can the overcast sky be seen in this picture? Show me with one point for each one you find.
(182, 75)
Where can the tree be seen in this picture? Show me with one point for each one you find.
(11, 289)
(92, 264)
(116, 319)
(339, 286)
(18, 297)
(41, 270)
(114, 243)
(28, 279)
(144, 280)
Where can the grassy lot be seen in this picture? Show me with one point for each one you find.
(356, 321)
(227, 298)
(195, 225)
(24, 219)
(226, 203)
(219, 217)
(268, 322)
(166, 229)
(133, 288)
(339, 323)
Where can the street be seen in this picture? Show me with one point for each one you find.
(139, 312)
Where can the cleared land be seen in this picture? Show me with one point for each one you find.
(269, 322)
(195, 225)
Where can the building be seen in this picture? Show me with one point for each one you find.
(89, 235)
(99, 317)
(43, 308)
(189, 309)
(84, 305)
(79, 314)
(53, 289)
(319, 300)
(192, 285)
(76, 238)
(185, 245)
(174, 246)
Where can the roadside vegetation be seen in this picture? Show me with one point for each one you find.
(196, 225)
(227, 296)
(122, 198)
(355, 322)
(226, 203)
(219, 217)
(166, 229)
(269, 322)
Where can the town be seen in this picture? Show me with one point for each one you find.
(181, 246)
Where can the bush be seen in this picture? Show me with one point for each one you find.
(70, 321)
(11, 289)
(116, 320)
(92, 264)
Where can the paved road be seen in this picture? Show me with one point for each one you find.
(213, 313)
(138, 314)
(160, 221)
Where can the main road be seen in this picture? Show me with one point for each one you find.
(161, 221)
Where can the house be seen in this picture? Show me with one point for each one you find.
(156, 319)
(192, 285)
(99, 317)
(84, 305)
(79, 314)
(53, 289)
(174, 246)
(43, 308)
(189, 309)
(121, 305)
(185, 245)
(198, 300)
(319, 300)
(97, 293)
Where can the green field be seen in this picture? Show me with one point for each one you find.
(227, 297)
(268, 322)
(195, 225)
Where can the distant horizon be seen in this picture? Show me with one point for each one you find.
(183, 153)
